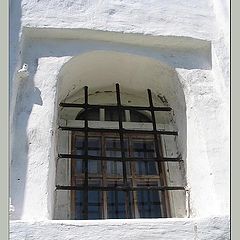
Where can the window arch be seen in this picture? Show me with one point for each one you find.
(118, 173)
(112, 115)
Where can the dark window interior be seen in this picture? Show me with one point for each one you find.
(118, 173)
(112, 115)
(112, 204)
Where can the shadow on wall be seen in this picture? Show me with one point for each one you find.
(15, 13)
(178, 52)
(28, 95)
(17, 176)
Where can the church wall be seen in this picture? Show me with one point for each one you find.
(186, 35)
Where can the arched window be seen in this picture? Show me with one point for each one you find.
(118, 172)
(112, 115)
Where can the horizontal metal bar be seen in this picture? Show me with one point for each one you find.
(118, 159)
(93, 106)
(121, 188)
(164, 132)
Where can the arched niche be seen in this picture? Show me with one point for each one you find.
(101, 70)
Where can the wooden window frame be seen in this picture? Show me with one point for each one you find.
(159, 178)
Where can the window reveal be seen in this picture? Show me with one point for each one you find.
(118, 176)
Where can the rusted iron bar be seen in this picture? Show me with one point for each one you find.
(125, 182)
(85, 163)
(157, 141)
(122, 107)
(164, 132)
(118, 159)
(122, 188)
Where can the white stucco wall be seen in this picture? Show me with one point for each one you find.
(188, 36)
(215, 228)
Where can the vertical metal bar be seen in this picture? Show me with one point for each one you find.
(122, 148)
(104, 177)
(85, 161)
(156, 139)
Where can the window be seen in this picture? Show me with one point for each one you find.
(118, 172)
(142, 173)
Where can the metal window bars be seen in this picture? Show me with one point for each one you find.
(121, 131)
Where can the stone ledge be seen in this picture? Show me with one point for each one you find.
(212, 228)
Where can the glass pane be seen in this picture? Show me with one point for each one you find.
(113, 149)
(94, 167)
(94, 145)
(94, 149)
(78, 205)
(94, 205)
(112, 115)
(79, 142)
(78, 166)
(116, 204)
(149, 203)
(117, 200)
(136, 116)
(144, 148)
(92, 115)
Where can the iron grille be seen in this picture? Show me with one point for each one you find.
(121, 131)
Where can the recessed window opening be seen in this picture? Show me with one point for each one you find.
(118, 173)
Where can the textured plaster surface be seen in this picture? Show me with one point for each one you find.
(53, 76)
(144, 16)
(189, 18)
(214, 228)
(33, 145)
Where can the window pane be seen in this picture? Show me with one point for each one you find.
(78, 166)
(116, 204)
(94, 205)
(136, 116)
(149, 202)
(94, 145)
(94, 149)
(112, 115)
(94, 167)
(78, 205)
(92, 115)
(113, 149)
(117, 200)
(79, 142)
(144, 148)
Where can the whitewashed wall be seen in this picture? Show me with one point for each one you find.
(47, 34)
(214, 228)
